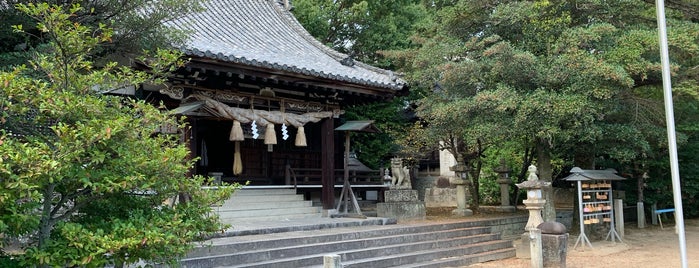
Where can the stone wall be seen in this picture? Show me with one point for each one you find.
(509, 228)
(423, 182)
(436, 191)
(440, 197)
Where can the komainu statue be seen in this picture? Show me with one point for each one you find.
(400, 174)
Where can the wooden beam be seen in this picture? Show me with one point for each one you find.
(298, 79)
(328, 163)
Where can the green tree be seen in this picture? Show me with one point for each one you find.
(86, 177)
(564, 77)
(376, 149)
(133, 32)
(364, 29)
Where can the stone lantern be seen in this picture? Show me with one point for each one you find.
(461, 181)
(534, 203)
(504, 181)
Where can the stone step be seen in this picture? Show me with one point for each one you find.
(243, 192)
(234, 200)
(241, 241)
(465, 260)
(266, 241)
(235, 220)
(271, 212)
(401, 260)
(491, 250)
(264, 205)
(380, 246)
(309, 225)
(305, 255)
(332, 242)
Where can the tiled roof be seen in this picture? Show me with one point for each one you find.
(262, 33)
(578, 174)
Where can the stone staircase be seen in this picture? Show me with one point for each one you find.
(450, 244)
(250, 204)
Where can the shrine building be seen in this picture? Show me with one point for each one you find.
(263, 97)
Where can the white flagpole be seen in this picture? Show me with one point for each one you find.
(670, 121)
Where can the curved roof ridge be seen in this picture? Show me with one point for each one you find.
(262, 33)
(337, 55)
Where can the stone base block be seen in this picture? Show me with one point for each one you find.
(555, 249)
(327, 213)
(440, 197)
(402, 210)
(462, 212)
(522, 247)
(400, 195)
(505, 209)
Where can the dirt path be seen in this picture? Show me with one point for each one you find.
(648, 247)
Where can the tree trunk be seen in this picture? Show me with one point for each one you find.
(45, 223)
(474, 186)
(640, 173)
(544, 168)
(528, 157)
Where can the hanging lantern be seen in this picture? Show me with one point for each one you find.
(300, 137)
(236, 132)
(270, 135)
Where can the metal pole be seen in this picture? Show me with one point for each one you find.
(582, 238)
(670, 121)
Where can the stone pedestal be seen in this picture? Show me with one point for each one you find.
(554, 241)
(504, 195)
(522, 249)
(534, 206)
(461, 209)
(555, 249)
(440, 197)
(401, 204)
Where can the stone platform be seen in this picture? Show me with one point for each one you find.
(401, 204)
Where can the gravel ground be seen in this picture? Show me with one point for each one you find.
(648, 247)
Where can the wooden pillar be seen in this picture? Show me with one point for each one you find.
(328, 163)
(189, 137)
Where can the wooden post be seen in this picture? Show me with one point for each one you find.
(189, 137)
(346, 161)
(345, 189)
(287, 174)
(328, 163)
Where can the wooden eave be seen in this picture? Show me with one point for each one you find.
(214, 74)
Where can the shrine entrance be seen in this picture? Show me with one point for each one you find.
(262, 164)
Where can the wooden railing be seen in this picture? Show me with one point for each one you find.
(313, 176)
